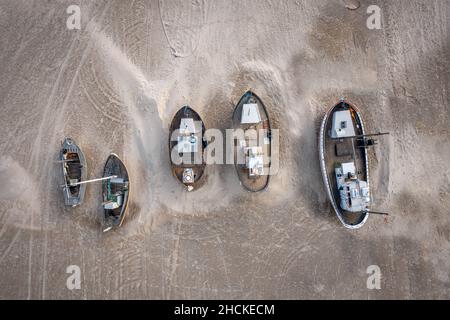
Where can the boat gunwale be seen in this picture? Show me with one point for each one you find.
(323, 166)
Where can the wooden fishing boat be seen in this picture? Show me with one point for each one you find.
(252, 142)
(116, 192)
(343, 147)
(186, 145)
(74, 171)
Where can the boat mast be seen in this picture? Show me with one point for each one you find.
(378, 212)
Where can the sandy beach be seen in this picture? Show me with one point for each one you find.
(114, 86)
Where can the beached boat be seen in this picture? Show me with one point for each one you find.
(74, 171)
(252, 142)
(344, 162)
(116, 192)
(186, 145)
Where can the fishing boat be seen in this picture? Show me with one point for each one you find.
(343, 147)
(116, 192)
(252, 142)
(186, 145)
(74, 171)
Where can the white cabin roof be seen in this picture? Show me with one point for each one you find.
(250, 113)
(187, 126)
(348, 167)
(342, 124)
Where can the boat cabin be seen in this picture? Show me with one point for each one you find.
(250, 114)
(354, 193)
(116, 189)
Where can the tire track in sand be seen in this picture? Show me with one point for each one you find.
(182, 22)
(55, 126)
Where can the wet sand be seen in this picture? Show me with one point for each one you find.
(115, 85)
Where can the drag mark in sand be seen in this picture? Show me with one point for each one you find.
(56, 129)
(103, 98)
(107, 95)
(174, 259)
(138, 97)
(136, 31)
(56, 126)
(13, 241)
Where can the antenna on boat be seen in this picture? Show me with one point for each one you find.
(378, 212)
(363, 136)
(87, 181)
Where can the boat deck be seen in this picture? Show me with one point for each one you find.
(73, 169)
(114, 166)
(196, 161)
(252, 183)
